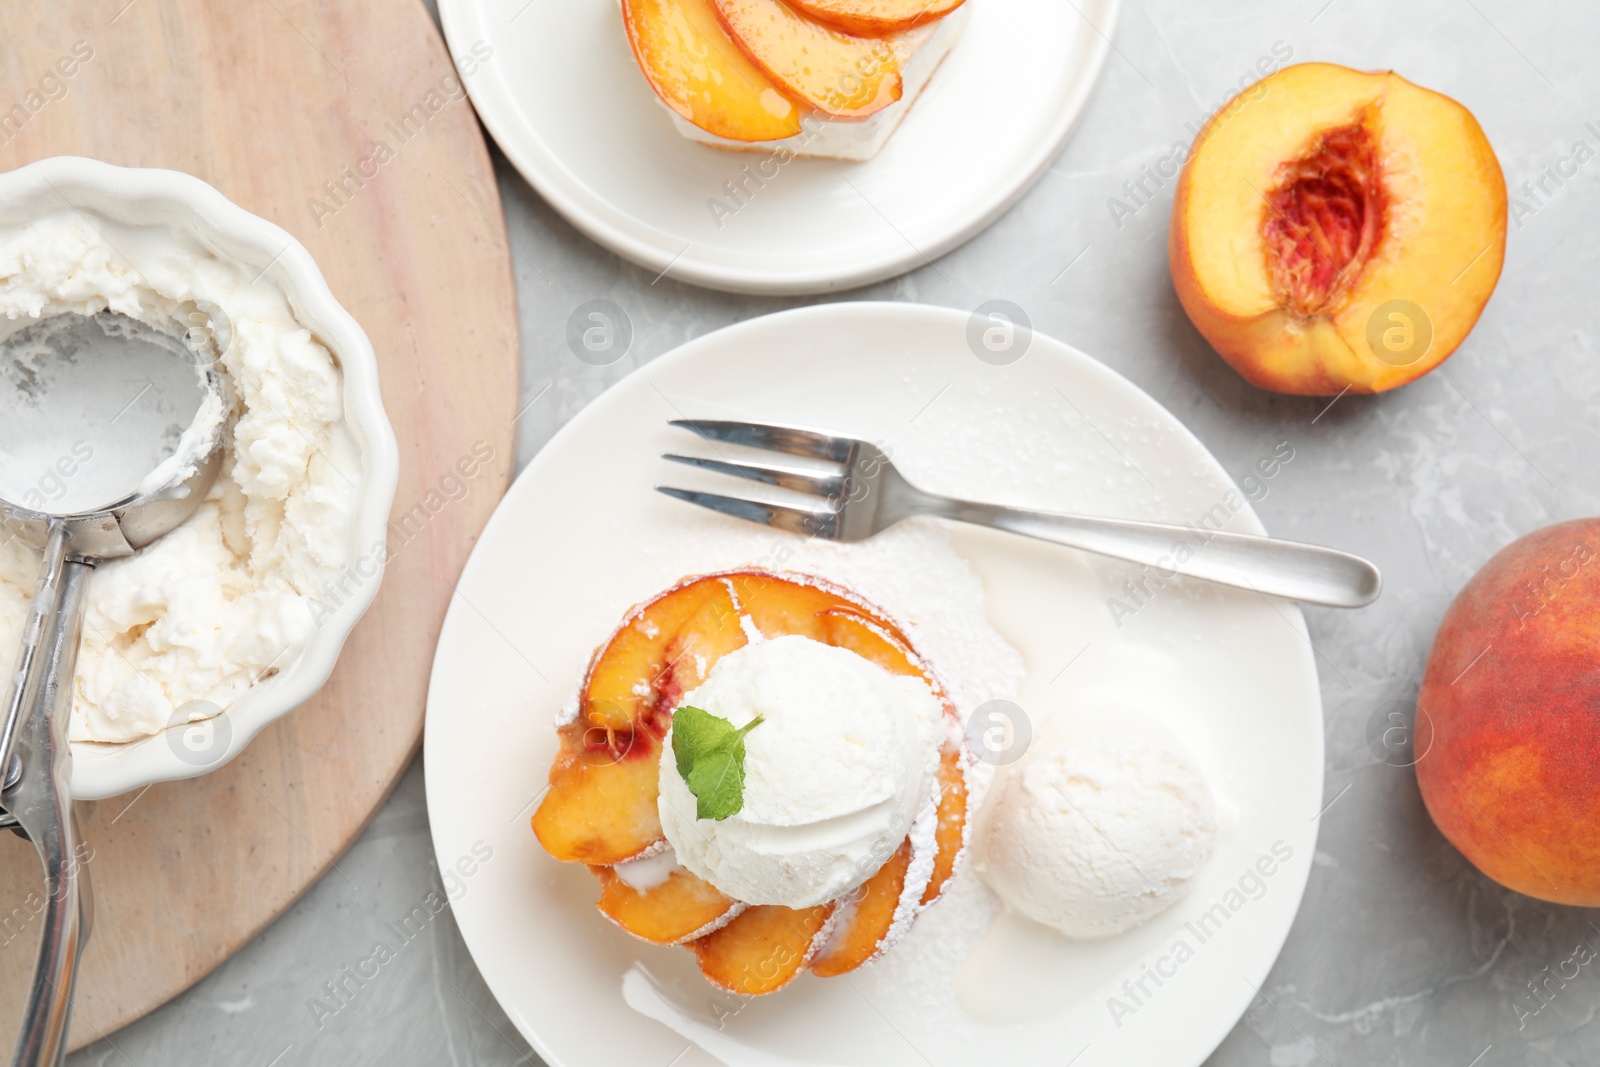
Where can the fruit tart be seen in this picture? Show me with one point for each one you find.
(760, 767)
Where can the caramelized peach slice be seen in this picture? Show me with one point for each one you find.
(951, 833)
(601, 813)
(697, 71)
(682, 907)
(874, 640)
(779, 606)
(763, 949)
(867, 920)
(851, 77)
(711, 633)
(601, 804)
(643, 650)
(1337, 230)
(877, 18)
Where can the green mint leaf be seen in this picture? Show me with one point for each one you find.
(709, 754)
(695, 732)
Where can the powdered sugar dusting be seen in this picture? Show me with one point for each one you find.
(924, 848)
(569, 710)
(921, 971)
(713, 926)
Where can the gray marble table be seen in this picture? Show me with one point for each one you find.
(1402, 952)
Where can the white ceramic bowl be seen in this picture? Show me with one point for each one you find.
(183, 202)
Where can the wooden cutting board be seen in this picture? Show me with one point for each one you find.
(343, 122)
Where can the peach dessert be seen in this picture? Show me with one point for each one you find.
(823, 78)
(1335, 230)
(761, 768)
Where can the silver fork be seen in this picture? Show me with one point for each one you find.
(866, 495)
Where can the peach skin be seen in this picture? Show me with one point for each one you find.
(1508, 723)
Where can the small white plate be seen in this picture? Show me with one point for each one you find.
(556, 84)
(581, 536)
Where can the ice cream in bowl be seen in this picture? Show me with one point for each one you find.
(193, 644)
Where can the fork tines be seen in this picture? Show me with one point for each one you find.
(788, 439)
(811, 522)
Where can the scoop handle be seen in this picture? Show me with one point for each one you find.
(46, 598)
(40, 803)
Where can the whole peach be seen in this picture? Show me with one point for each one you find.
(1508, 724)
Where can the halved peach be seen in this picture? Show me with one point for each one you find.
(697, 71)
(1337, 230)
(764, 949)
(838, 74)
(682, 907)
(877, 18)
(865, 923)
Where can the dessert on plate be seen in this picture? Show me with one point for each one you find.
(761, 768)
(823, 78)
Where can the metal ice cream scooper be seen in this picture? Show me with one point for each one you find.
(111, 434)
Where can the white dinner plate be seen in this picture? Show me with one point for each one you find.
(556, 84)
(581, 536)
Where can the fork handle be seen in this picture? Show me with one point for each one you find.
(1290, 569)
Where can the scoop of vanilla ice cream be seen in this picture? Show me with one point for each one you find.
(842, 763)
(189, 624)
(1097, 837)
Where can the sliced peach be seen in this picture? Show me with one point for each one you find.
(601, 813)
(763, 949)
(877, 18)
(951, 833)
(1337, 230)
(850, 77)
(778, 606)
(861, 932)
(711, 633)
(697, 71)
(642, 651)
(873, 640)
(601, 804)
(682, 907)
